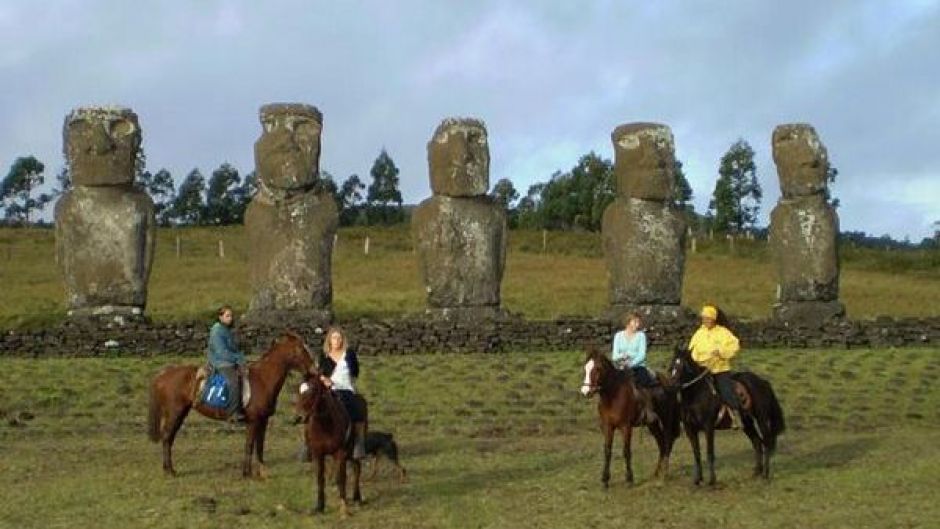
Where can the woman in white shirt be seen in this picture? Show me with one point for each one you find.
(339, 369)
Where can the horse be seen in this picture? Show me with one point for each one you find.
(618, 408)
(328, 432)
(174, 391)
(701, 408)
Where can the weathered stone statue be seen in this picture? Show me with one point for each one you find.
(290, 221)
(803, 230)
(460, 232)
(643, 233)
(105, 227)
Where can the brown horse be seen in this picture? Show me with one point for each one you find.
(328, 432)
(619, 409)
(173, 392)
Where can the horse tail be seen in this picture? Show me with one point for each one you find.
(766, 407)
(154, 414)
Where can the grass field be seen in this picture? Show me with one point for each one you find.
(488, 440)
(569, 279)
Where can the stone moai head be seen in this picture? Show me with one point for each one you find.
(802, 160)
(101, 145)
(459, 158)
(287, 154)
(644, 161)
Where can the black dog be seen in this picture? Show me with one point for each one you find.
(380, 444)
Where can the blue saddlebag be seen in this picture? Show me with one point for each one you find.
(216, 392)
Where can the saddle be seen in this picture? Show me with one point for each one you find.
(724, 419)
(202, 376)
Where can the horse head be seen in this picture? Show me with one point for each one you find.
(309, 391)
(682, 368)
(293, 350)
(595, 366)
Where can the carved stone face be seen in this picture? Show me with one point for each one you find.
(288, 152)
(101, 145)
(459, 158)
(801, 158)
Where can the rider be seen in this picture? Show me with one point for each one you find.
(629, 349)
(339, 368)
(713, 346)
(224, 357)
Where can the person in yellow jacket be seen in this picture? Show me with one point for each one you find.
(713, 346)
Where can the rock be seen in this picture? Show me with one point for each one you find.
(101, 145)
(802, 240)
(644, 244)
(644, 161)
(461, 246)
(802, 160)
(105, 240)
(290, 261)
(808, 314)
(459, 158)
(287, 154)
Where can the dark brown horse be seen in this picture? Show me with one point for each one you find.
(619, 409)
(328, 432)
(701, 408)
(174, 391)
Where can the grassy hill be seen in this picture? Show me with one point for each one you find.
(569, 278)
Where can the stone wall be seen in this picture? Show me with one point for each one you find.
(399, 337)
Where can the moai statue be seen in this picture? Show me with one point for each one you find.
(104, 225)
(803, 230)
(291, 221)
(643, 233)
(460, 232)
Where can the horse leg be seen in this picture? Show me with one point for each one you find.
(357, 473)
(250, 439)
(710, 447)
(339, 464)
(769, 445)
(663, 464)
(608, 443)
(696, 453)
(172, 424)
(321, 500)
(756, 444)
(259, 448)
(628, 452)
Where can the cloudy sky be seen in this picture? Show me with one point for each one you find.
(550, 79)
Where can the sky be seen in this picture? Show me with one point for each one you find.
(551, 80)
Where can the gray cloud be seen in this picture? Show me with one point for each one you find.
(551, 79)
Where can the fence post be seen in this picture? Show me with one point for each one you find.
(694, 249)
(221, 249)
(179, 247)
(544, 241)
(731, 242)
(365, 246)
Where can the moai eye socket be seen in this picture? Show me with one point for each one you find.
(121, 128)
(305, 129)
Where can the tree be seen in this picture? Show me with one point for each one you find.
(188, 206)
(222, 196)
(350, 193)
(737, 195)
(161, 189)
(242, 196)
(16, 190)
(573, 199)
(505, 193)
(383, 192)
(831, 174)
(63, 181)
(683, 191)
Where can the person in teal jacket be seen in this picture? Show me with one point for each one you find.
(629, 350)
(224, 357)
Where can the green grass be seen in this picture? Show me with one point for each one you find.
(489, 441)
(386, 283)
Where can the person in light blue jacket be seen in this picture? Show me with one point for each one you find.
(629, 350)
(224, 357)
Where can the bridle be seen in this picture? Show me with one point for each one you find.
(698, 378)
